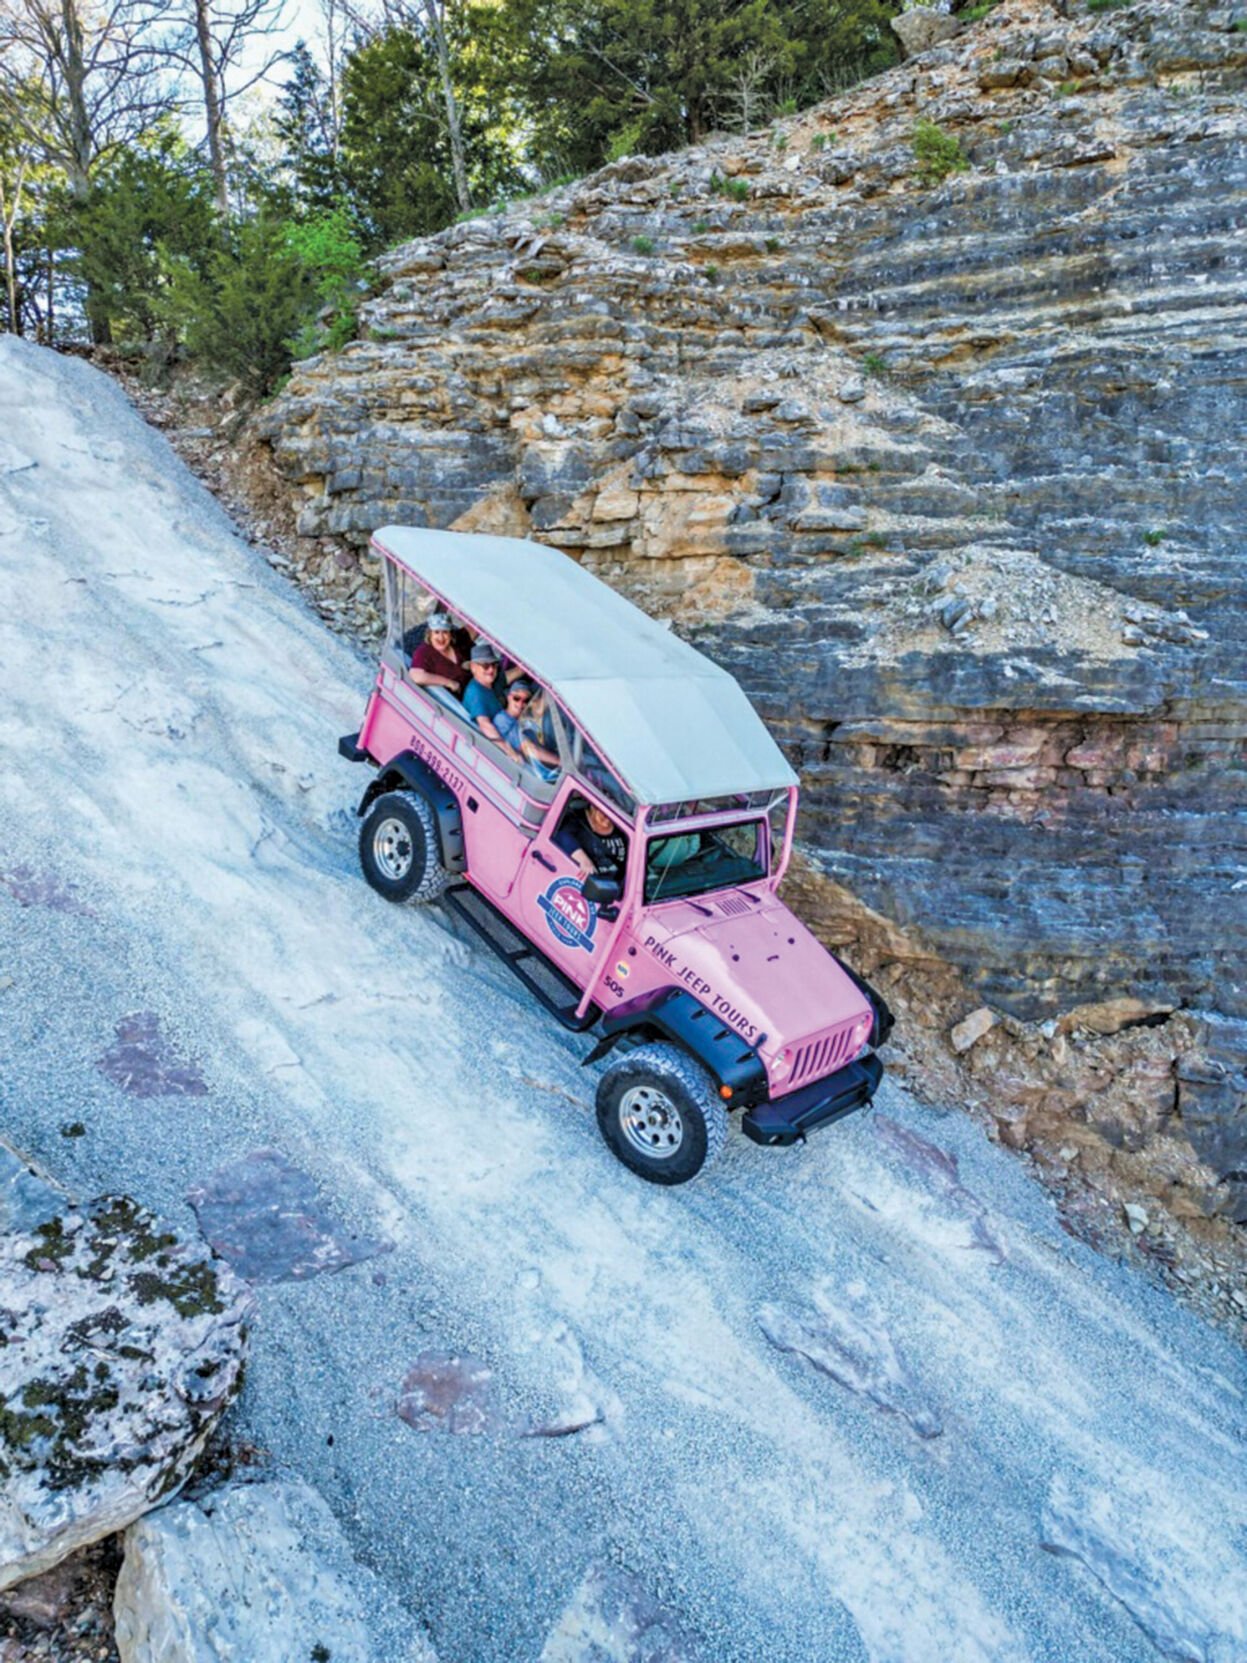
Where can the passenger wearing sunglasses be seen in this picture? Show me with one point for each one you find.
(508, 719)
(516, 728)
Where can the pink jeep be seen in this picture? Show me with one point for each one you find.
(622, 851)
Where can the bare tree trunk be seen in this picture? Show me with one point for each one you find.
(212, 105)
(435, 13)
(331, 53)
(9, 213)
(78, 169)
(78, 163)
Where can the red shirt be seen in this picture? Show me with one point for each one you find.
(426, 657)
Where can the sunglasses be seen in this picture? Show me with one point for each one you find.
(522, 697)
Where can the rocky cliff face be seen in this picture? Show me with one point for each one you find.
(947, 471)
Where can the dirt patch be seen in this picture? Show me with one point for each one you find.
(65, 1615)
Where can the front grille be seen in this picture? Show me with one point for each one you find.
(822, 1055)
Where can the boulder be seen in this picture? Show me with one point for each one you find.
(971, 1028)
(120, 1347)
(259, 1572)
(922, 28)
(1110, 1016)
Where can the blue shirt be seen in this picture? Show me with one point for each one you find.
(480, 700)
(509, 727)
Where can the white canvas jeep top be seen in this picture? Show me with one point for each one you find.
(674, 726)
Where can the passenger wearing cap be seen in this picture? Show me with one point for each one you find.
(514, 724)
(481, 699)
(436, 661)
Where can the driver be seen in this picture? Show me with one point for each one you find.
(594, 842)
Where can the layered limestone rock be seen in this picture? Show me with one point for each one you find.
(932, 441)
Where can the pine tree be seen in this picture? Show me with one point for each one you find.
(304, 127)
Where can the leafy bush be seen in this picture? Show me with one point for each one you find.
(272, 291)
(327, 248)
(938, 153)
(736, 190)
(874, 363)
(625, 142)
(642, 245)
(1154, 538)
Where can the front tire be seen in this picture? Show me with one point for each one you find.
(660, 1114)
(398, 848)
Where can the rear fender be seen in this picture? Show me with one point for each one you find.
(407, 772)
(674, 1014)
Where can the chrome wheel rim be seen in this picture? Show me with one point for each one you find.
(650, 1122)
(392, 849)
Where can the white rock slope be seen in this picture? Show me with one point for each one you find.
(199, 970)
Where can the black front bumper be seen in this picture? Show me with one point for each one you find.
(814, 1105)
(348, 746)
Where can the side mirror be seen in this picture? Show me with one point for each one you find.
(601, 891)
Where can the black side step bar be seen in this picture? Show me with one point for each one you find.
(494, 930)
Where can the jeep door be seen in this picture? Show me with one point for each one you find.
(550, 900)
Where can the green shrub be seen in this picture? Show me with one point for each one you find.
(788, 106)
(938, 153)
(737, 190)
(874, 363)
(241, 312)
(275, 290)
(1154, 538)
(626, 141)
(700, 227)
(773, 245)
(642, 245)
(1106, 5)
(818, 142)
(781, 141)
(712, 273)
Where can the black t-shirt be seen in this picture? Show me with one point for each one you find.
(609, 854)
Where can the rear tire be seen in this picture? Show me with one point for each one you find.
(398, 848)
(660, 1113)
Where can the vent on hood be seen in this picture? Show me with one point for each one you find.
(731, 905)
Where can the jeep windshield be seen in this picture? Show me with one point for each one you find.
(696, 862)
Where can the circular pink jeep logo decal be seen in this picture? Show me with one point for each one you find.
(571, 918)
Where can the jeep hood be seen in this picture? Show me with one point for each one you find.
(752, 962)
